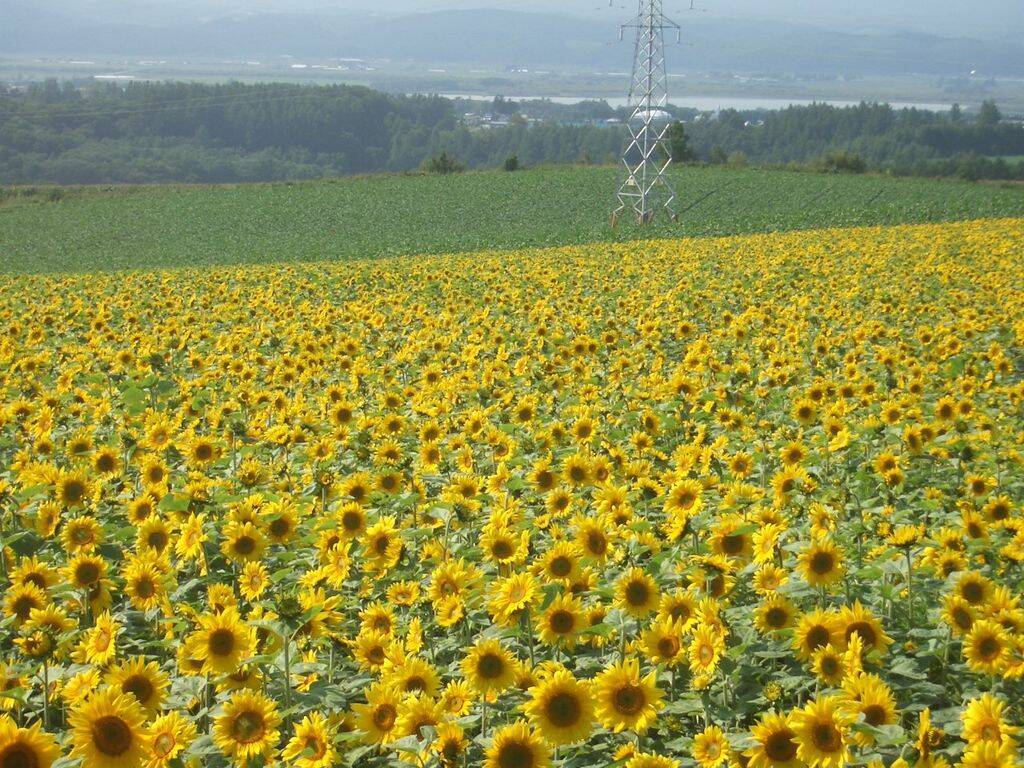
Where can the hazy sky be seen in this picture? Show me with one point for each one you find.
(948, 17)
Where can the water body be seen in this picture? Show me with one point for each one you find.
(711, 103)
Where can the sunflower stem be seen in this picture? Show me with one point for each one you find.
(46, 695)
(287, 681)
(910, 590)
(483, 716)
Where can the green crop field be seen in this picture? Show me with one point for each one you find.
(118, 228)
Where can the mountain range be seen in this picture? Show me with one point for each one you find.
(497, 37)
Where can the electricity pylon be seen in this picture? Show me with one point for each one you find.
(645, 187)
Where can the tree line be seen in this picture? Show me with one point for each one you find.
(201, 133)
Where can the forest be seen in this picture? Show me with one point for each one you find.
(223, 133)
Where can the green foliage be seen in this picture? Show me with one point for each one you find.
(841, 162)
(679, 144)
(232, 133)
(120, 228)
(511, 164)
(443, 164)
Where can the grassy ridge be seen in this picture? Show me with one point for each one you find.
(100, 229)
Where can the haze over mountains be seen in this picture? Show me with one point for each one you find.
(937, 37)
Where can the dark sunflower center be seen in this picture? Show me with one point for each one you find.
(280, 527)
(629, 699)
(384, 717)
(874, 715)
(18, 755)
(865, 630)
(561, 566)
(989, 648)
(564, 710)
(140, 687)
(780, 747)
(111, 735)
(973, 592)
(501, 549)
(776, 618)
(822, 563)
(732, 545)
(352, 521)
(145, 587)
(826, 737)
(668, 647)
(597, 543)
(245, 545)
(222, 642)
(490, 666)
(87, 573)
(515, 755)
(74, 490)
(562, 622)
(247, 727)
(637, 593)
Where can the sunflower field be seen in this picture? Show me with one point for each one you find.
(752, 501)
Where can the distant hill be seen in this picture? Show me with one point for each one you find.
(503, 38)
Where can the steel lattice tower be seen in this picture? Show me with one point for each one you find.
(645, 187)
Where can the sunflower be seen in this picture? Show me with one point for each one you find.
(457, 698)
(593, 536)
(243, 542)
(109, 731)
(860, 620)
(85, 571)
(21, 600)
(561, 622)
(247, 727)
(821, 564)
(989, 754)
(312, 744)
(874, 702)
(489, 667)
(414, 675)
(371, 648)
(731, 536)
(378, 717)
(775, 614)
(662, 642)
(710, 747)
(223, 641)
(822, 732)
(679, 607)
(172, 734)
(561, 708)
(99, 645)
(637, 593)
(382, 545)
(516, 746)
(141, 679)
(26, 747)
(706, 649)
(450, 745)
(81, 534)
(512, 595)
(561, 562)
(775, 743)
(144, 584)
(986, 647)
(73, 489)
(624, 700)
(983, 720)
(827, 664)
